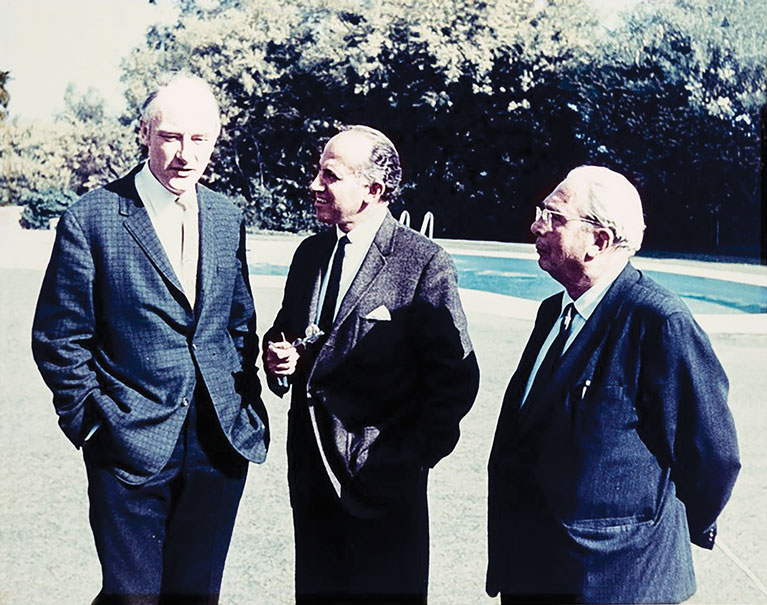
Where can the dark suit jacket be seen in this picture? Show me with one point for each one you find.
(598, 485)
(118, 343)
(388, 394)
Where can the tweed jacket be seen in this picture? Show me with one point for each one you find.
(118, 343)
(599, 484)
(396, 373)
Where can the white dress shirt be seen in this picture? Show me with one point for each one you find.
(360, 238)
(167, 218)
(583, 309)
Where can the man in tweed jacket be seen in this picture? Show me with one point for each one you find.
(377, 400)
(145, 333)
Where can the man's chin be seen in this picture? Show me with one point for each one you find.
(182, 184)
(323, 216)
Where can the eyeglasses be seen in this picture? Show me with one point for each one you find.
(544, 215)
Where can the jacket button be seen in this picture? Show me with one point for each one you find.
(194, 346)
(184, 401)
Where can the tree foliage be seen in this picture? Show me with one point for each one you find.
(41, 207)
(4, 96)
(489, 103)
(82, 148)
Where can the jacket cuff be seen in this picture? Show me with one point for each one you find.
(705, 539)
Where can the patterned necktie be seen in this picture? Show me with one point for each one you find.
(331, 292)
(189, 245)
(549, 363)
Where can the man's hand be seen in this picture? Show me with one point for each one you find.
(281, 358)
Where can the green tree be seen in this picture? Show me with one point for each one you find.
(674, 102)
(290, 73)
(5, 160)
(4, 96)
(490, 103)
(81, 149)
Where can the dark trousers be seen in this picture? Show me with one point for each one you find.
(166, 540)
(343, 559)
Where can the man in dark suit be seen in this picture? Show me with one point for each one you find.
(615, 447)
(145, 333)
(378, 397)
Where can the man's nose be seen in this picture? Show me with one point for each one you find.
(315, 184)
(185, 149)
(537, 227)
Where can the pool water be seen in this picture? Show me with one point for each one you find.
(523, 278)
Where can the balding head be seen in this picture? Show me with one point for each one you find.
(609, 199)
(182, 92)
(382, 164)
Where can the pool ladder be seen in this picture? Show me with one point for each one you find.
(427, 227)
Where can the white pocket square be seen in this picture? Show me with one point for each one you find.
(379, 314)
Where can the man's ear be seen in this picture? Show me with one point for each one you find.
(604, 238)
(603, 241)
(143, 133)
(376, 190)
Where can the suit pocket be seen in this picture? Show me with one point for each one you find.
(603, 409)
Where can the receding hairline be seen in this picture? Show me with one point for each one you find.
(585, 179)
(347, 135)
(180, 85)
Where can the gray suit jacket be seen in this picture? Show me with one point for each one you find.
(388, 394)
(117, 342)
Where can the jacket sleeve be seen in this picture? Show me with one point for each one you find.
(690, 387)
(285, 323)
(242, 321)
(63, 330)
(448, 369)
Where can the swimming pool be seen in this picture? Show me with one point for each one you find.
(522, 278)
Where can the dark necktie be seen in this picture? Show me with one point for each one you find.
(331, 292)
(549, 363)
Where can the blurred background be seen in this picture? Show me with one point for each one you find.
(489, 103)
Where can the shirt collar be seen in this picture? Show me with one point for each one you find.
(588, 301)
(154, 194)
(365, 232)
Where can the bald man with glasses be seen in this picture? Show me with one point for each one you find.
(615, 447)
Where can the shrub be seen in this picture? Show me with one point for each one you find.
(42, 206)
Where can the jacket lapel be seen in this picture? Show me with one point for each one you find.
(375, 261)
(139, 225)
(577, 356)
(547, 316)
(208, 245)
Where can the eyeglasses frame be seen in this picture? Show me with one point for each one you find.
(546, 214)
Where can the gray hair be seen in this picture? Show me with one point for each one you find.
(383, 164)
(188, 82)
(610, 200)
